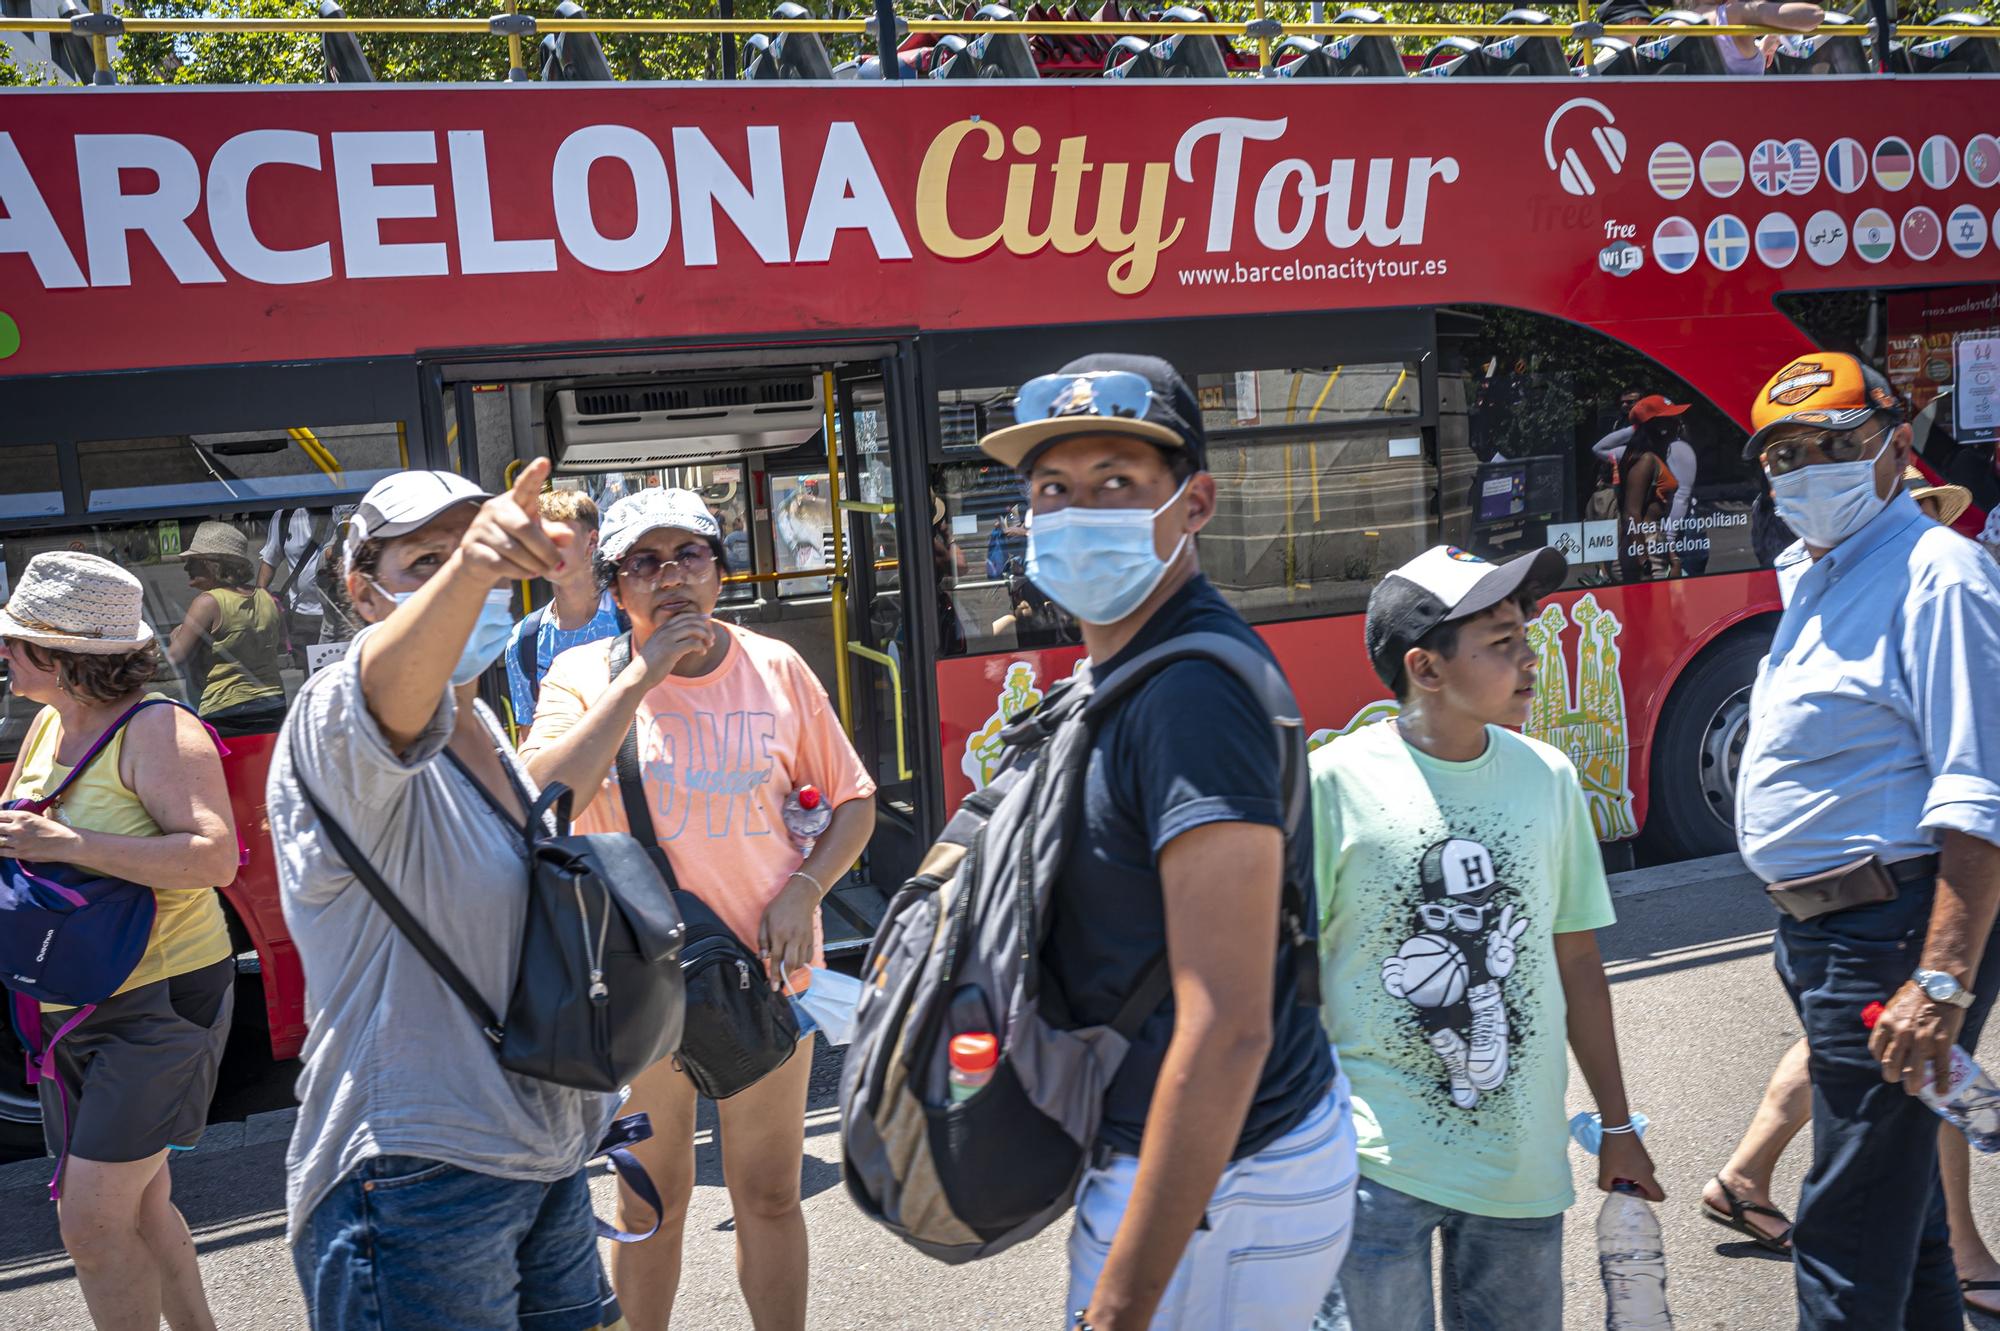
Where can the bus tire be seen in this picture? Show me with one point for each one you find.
(1698, 747)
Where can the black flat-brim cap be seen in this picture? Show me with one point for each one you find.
(1446, 583)
(1172, 420)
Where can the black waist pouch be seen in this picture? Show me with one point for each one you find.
(737, 1030)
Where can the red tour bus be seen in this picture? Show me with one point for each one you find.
(1413, 312)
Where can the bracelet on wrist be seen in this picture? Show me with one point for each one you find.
(818, 887)
(1628, 1126)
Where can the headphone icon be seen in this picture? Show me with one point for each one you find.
(1570, 170)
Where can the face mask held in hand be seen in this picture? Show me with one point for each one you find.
(1099, 563)
(489, 633)
(1826, 504)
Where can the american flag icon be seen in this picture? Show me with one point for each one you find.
(1771, 168)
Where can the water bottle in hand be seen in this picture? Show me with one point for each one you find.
(806, 816)
(1632, 1263)
(1969, 1102)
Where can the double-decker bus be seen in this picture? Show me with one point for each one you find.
(1413, 311)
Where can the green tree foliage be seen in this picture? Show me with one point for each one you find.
(225, 58)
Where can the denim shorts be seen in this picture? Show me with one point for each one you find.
(403, 1242)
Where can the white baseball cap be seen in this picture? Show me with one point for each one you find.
(649, 510)
(399, 504)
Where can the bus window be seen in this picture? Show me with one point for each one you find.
(1329, 393)
(281, 614)
(188, 469)
(1305, 526)
(979, 540)
(1549, 434)
(722, 488)
(30, 485)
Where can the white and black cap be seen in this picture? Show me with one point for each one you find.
(397, 505)
(1446, 583)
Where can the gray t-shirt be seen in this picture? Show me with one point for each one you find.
(394, 1062)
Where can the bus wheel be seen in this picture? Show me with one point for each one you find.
(20, 1110)
(1698, 749)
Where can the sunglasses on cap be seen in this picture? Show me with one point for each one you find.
(1094, 393)
(1789, 452)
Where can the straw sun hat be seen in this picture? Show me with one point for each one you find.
(73, 602)
(218, 540)
(1952, 500)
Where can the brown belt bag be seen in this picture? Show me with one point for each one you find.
(1865, 882)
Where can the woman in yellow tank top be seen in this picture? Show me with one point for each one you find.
(152, 808)
(243, 628)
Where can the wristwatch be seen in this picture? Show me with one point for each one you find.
(1942, 988)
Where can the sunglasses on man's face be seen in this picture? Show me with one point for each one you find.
(1789, 452)
(692, 560)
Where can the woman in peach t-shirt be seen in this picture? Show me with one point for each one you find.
(730, 723)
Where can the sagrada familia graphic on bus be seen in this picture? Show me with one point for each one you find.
(1581, 713)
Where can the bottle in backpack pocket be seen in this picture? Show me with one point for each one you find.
(806, 816)
(974, 1055)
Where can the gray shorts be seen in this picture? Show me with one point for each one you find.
(140, 1071)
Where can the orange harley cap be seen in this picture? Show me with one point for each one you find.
(1828, 390)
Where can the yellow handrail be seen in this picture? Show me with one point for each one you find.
(475, 27)
(896, 692)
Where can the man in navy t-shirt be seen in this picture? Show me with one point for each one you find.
(1229, 1144)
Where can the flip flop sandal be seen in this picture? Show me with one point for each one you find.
(1778, 1243)
(1982, 1287)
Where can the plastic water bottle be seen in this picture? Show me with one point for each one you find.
(1970, 1102)
(806, 816)
(1631, 1262)
(973, 1058)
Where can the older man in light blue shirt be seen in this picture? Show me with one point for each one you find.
(1869, 752)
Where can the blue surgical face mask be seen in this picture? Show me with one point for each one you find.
(1099, 563)
(489, 633)
(1826, 504)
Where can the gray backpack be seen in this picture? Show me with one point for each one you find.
(959, 950)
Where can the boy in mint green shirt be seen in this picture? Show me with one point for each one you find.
(1459, 888)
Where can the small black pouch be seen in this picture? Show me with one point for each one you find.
(1865, 882)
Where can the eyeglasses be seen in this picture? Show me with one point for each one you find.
(1096, 393)
(646, 567)
(1788, 453)
(1465, 919)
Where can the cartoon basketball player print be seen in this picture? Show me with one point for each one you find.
(1451, 972)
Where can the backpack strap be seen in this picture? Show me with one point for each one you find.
(98, 746)
(527, 652)
(298, 566)
(399, 914)
(1274, 695)
(632, 790)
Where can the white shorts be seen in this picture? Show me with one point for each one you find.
(1277, 1229)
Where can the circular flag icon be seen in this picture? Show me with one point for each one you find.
(1777, 240)
(1982, 160)
(1727, 242)
(1965, 231)
(1826, 237)
(1771, 168)
(1721, 169)
(1937, 161)
(1922, 233)
(1846, 165)
(10, 335)
(1894, 163)
(1671, 171)
(1805, 166)
(1874, 235)
(1675, 246)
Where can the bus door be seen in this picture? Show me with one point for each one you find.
(794, 460)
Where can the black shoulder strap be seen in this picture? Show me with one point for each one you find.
(299, 564)
(399, 914)
(631, 790)
(1267, 682)
(526, 652)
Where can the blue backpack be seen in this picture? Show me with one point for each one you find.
(68, 935)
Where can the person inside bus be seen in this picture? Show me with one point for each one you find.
(1752, 55)
(1034, 620)
(1229, 1089)
(134, 1079)
(425, 1183)
(1647, 486)
(1680, 456)
(730, 724)
(578, 612)
(294, 544)
(238, 626)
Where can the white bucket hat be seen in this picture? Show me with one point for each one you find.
(636, 514)
(74, 602)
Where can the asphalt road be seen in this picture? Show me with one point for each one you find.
(1702, 1021)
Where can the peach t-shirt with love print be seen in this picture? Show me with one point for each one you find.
(718, 755)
